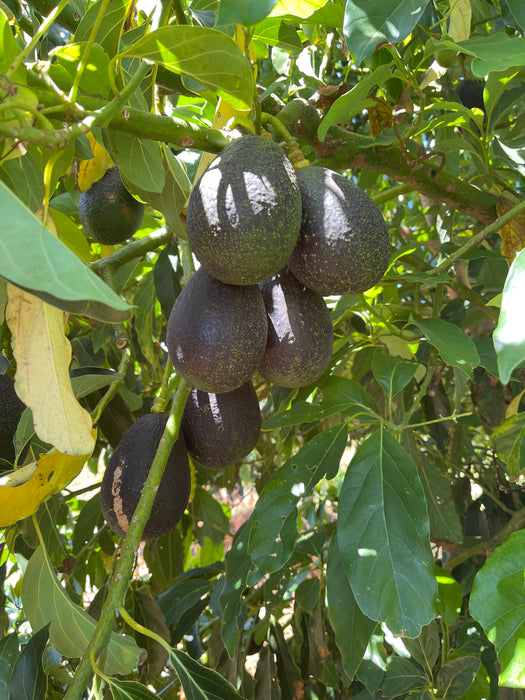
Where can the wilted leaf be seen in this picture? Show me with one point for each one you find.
(459, 20)
(22, 491)
(43, 355)
(383, 536)
(89, 171)
(71, 628)
(513, 233)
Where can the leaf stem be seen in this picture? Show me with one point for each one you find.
(125, 562)
(481, 236)
(113, 388)
(84, 58)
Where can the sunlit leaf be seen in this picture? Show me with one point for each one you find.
(383, 536)
(206, 55)
(71, 628)
(247, 12)
(110, 28)
(509, 336)
(89, 171)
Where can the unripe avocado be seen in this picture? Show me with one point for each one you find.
(300, 332)
(216, 333)
(107, 211)
(221, 429)
(11, 409)
(244, 213)
(127, 471)
(343, 246)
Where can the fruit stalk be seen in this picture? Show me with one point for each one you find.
(124, 564)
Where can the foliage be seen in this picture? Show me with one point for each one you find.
(372, 542)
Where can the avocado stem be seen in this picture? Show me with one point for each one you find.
(294, 152)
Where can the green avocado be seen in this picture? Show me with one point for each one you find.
(300, 332)
(107, 211)
(127, 471)
(343, 246)
(221, 429)
(244, 213)
(216, 333)
(11, 409)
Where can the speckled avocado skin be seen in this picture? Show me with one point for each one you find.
(300, 332)
(343, 246)
(216, 333)
(11, 409)
(221, 429)
(107, 211)
(244, 213)
(127, 470)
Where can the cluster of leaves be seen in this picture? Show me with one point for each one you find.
(378, 527)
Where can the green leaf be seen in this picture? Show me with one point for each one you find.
(28, 679)
(139, 160)
(425, 648)
(237, 564)
(455, 677)
(274, 526)
(88, 383)
(64, 67)
(513, 12)
(129, 690)
(165, 558)
(352, 102)
(206, 55)
(168, 277)
(507, 439)
(353, 629)
(199, 682)
(392, 373)
(368, 23)
(182, 596)
(110, 28)
(71, 628)
(495, 52)
(497, 601)
(266, 686)
(449, 599)
(144, 302)
(276, 32)
(401, 676)
(453, 344)
(509, 335)
(442, 515)
(9, 651)
(383, 536)
(147, 613)
(23, 176)
(247, 12)
(32, 258)
(208, 510)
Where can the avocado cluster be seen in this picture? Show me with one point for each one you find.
(271, 242)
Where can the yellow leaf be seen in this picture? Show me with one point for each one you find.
(379, 116)
(298, 8)
(89, 171)
(513, 233)
(22, 491)
(459, 20)
(43, 355)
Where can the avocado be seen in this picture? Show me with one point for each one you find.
(470, 93)
(107, 211)
(127, 471)
(300, 333)
(221, 429)
(343, 246)
(216, 333)
(11, 408)
(244, 213)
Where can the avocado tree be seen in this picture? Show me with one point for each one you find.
(373, 540)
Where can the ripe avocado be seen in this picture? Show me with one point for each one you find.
(107, 211)
(221, 429)
(343, 246)
(244, 213)
(216, 333)
(300, 333)
(470, 93)
(11, 409)
(127, 471)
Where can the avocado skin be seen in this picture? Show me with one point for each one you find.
(11, 408)
(216, 333)
(107, 211)
(244, 213)
(127, 471)
(300, 332)
(221, 429)
(343, 246)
